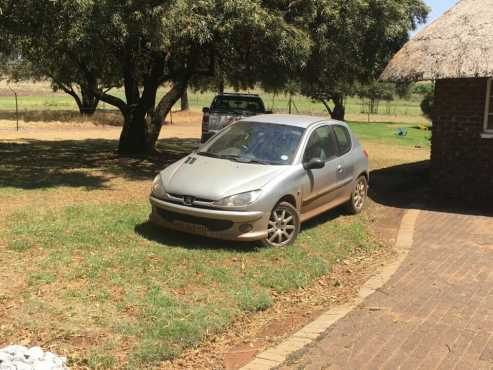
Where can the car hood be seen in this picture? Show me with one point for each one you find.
(214, 179)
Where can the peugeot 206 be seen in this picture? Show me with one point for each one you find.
(259, 179)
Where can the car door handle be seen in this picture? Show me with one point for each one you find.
(340, 169)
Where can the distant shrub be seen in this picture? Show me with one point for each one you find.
(427, 104)
(423, 88)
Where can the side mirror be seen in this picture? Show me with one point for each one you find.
(206, 110)
(314, 164)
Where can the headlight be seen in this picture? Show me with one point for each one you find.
(157, 187)
(239, 200)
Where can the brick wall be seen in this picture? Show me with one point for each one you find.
(462, 161)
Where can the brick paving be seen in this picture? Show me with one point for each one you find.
(436, 312)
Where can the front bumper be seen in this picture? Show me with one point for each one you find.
(218, 224)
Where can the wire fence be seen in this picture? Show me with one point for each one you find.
(19, 105)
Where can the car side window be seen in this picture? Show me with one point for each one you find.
(322, 144)
(343, 139)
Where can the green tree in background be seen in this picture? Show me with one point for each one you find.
(353, 42)
(375, 92)
(142, 45)
(47, 50)
(427, 103)
(90, 46)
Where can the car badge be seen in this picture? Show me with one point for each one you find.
(188, 201)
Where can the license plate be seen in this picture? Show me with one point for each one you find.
(191, 228)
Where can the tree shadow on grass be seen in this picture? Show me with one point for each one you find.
(90, 164)
(409, 186)
(175, 239)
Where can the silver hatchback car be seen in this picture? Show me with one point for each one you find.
(261, 177)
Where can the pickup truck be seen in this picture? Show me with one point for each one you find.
(227, 109)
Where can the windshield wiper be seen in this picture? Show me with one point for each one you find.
(239, 159)
(257, 161)
(207, 154)
(235, 158)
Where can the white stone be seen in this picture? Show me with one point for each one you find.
(8, 366)
(35, 353)
(15, 350)
(20, 365)
(49, 356)
(21, 358)
(4, 356)
(45, 365)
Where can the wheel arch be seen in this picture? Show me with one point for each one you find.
(365, 174)
(289, 198)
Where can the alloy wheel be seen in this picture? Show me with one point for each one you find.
(283, 226)
(359, 194)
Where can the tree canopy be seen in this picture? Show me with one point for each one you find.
(140, 45)
(353, 42)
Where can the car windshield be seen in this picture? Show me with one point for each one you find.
(237, 103)
(251, 142)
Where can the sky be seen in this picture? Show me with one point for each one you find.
(438, 8)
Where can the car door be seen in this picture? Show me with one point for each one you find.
(345, 163)
(319, 184)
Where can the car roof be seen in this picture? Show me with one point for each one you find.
(240, 95)
(292, 120)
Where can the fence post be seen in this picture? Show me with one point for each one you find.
(16, 107)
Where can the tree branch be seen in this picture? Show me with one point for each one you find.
(67, 89)
(326, 104)
(111, 100)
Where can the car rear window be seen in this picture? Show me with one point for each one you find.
(343, 139)
(238, 103)
(322, 145)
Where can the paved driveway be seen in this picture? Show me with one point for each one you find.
(436, 312)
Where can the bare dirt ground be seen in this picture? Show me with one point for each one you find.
(249, 334)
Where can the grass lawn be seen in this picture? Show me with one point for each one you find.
(84, 273)
(106, 274)
(387, 133)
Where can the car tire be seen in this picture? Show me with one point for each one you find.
(283, 227)
(358, 196)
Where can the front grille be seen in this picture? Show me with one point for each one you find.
(211, 224)
(178, 196)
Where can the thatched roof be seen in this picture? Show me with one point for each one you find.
(459, 44)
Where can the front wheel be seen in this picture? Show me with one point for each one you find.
(284, 226)
(358, 197)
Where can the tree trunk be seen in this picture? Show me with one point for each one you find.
(373, 105)
(185, 105)
(133, 139)
(339, 111)
(89, 102)
(162, 110)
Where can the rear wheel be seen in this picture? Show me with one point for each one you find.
(284, 226)
(358, 197)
